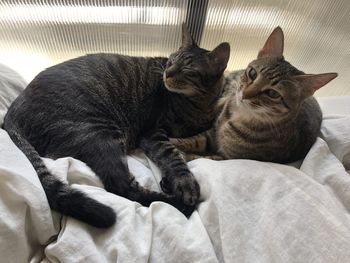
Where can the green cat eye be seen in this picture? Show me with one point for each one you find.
(272, 94)
(252, 74)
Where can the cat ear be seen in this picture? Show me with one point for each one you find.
(274, 44)
(312, 82)
(187, 39)
(220, 55)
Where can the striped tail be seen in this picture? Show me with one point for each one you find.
(63, 198)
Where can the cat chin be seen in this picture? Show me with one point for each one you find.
(186, 92)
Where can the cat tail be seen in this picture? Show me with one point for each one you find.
(62, 197)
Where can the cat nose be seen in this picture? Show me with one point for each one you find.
(248, 94)
(170, 73)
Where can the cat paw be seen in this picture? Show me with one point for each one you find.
(187, 210)
(183, 186)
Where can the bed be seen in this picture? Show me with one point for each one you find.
(249, 212)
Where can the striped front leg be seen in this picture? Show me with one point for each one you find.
(200, 143)
(193, 156)
(177, 178)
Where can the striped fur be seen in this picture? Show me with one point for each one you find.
(267, 111)
(176, 178)
(99, 107)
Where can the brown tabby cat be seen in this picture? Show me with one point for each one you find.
(267, 113)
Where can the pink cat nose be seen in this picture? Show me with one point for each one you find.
(248, 94)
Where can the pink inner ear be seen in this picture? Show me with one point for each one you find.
(310, 83)
(268, 49)
(274, 45)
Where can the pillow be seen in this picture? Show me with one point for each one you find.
(11, 85)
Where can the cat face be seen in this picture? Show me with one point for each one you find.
(192, 70)
(272, 86)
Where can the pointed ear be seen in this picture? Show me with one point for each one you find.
(312, 82)
(187, 39)
(274, 44)
(220, 55)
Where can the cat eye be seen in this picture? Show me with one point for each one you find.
(252, 74)
(272, 94)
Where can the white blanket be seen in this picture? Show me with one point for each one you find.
(250, 211)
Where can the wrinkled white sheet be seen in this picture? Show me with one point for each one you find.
(250, 211)
(11, 84)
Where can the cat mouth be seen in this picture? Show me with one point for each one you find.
(169, 86)
(239, 97)
(244, 102)
(184, 89)
(166, 83)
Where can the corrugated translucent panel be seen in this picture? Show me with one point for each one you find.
(317, 34)
(35, 34)
(38, 34)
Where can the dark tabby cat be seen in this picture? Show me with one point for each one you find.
(268, 111)
(99, 107)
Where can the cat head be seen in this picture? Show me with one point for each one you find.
(273, 86)
(192, 70)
